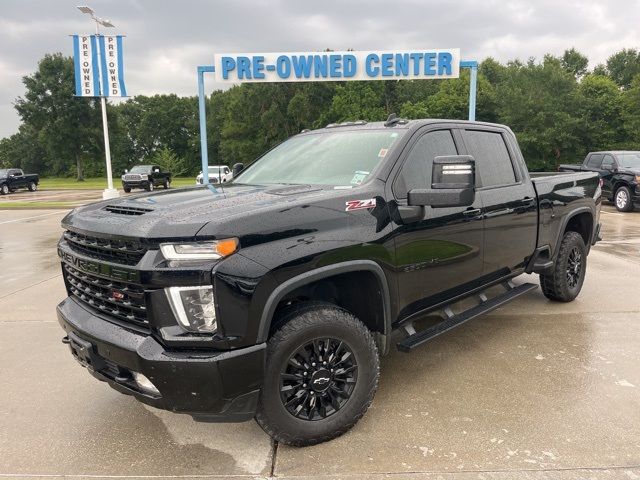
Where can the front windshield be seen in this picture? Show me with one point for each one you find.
(4, 172)
(629, 160)
(338, 158)
(140, 169)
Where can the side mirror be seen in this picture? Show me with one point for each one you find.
(237, 168)
(452, 185)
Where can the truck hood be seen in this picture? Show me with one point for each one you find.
(184, 213)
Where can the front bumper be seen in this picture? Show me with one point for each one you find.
(219, 386)
(135, 184)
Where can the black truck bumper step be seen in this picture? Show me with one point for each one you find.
(486, 305)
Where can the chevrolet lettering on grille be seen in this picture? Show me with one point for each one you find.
(88, 266)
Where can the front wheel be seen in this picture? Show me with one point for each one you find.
(126, 189)
(4, 190)
(149, 187)
(32, 186)
(564, 282)
(623, 200)
(322, 373)
(167, 183)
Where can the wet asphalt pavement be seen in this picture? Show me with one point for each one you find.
(535, 390)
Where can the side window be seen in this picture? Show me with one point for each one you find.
(607, 162)
(493, 163)
(595, 160)
(416, 171)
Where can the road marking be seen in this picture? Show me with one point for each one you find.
(35, 216)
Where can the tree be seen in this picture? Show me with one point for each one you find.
(623, 66)
(574, 62)
(170, 162)
(631, 114)
(599, 102)
(67, 128)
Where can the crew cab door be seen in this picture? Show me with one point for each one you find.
(607, 170)
(17, 179)
(509, 201)
(440, 252)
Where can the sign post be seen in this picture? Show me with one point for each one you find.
(99, 72)
(332, 67)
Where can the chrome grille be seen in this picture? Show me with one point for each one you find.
(116, 251)
(122, 301)
(132, 177)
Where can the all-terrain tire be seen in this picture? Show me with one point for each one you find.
(564, 282)
(149, 187)
(166, 184)
(32, 186)
(305, 325)
(127, 189)
(4, 190)
(622, 199)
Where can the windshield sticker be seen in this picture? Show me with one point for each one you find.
(360, 204)
(383, 152)
(358, 177)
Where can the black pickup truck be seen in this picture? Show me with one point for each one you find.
(273, 295)
(620, 174)
(145, 176)
(11, 179)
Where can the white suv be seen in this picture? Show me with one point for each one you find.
(217, 174)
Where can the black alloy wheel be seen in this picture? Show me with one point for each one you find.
(318, 379)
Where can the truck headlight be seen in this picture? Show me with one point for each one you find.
(199, 250)
(194, 308)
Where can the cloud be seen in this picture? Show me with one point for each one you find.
(167, 39)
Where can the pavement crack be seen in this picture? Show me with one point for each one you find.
(30, 286)
(273, 459)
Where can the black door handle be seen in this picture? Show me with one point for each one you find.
(528, 200)
(472, 212)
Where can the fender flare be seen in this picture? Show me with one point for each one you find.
(565, 222)
(318, 274)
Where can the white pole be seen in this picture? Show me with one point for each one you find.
(109, 192)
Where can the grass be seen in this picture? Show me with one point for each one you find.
(20, 205)
(98, 183)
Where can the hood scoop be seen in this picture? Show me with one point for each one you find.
(127, 210)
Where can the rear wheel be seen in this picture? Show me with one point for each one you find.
(4, 190)
(623, 200)
(32, 186)
(321, 376)
(564, 282)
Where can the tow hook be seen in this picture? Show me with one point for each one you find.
(66, 340)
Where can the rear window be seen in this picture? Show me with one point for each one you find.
(493, 163)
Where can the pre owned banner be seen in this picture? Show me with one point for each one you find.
(337, 66)
(85, 58)
(99, 66)
(112, 66)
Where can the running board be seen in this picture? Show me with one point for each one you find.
(453, 320)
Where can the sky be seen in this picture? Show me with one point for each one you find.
(167, 39)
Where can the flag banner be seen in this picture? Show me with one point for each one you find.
(337, 66)
(111, 66)
(85, 60)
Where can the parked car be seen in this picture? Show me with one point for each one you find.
(145, 176)
(217, 174)
(11, 179)
(274, 297)
(620, 173)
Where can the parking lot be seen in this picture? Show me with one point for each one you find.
(534, 390)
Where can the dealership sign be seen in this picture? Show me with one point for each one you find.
(337, 66)
(98, 62)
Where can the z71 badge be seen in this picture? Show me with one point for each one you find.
(360, 204)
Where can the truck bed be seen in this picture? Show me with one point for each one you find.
(557, 194)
